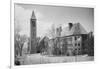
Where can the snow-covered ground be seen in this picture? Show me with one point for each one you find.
(42, 59)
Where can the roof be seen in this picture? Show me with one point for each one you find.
(33, 15)
(77, 28)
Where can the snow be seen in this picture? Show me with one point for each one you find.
(43, 59)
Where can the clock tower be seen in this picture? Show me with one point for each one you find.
(33, 33)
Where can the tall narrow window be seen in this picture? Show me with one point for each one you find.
(78, 44)
(75, 37)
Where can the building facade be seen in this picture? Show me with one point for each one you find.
(71, 41)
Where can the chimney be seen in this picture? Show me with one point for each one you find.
(70, 25)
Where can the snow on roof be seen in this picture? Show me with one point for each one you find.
(77, 28)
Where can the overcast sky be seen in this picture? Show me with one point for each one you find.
(48, 15)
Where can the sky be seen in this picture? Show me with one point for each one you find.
(47, 15)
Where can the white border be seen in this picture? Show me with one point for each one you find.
(57, 3)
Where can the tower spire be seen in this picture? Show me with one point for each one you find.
(33, 15)
(33, 33)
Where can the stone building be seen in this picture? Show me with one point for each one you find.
(74, 36)
(33, 33)
(71, 41)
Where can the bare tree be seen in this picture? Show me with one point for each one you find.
(52, 31)
(18, 39)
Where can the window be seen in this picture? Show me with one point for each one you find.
(79, 49)
(78, 44)
(76, 49)
(75, 44)
(75, 37)
(33, 23)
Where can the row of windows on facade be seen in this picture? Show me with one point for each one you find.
(75, 49)
(75, 43)
(72, 44)
(75, 38)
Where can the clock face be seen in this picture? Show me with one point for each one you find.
(33, 24)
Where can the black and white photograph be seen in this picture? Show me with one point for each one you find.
(45, 34)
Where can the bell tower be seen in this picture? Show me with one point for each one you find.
(33, 33)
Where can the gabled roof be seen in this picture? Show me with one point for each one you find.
(77, 28)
